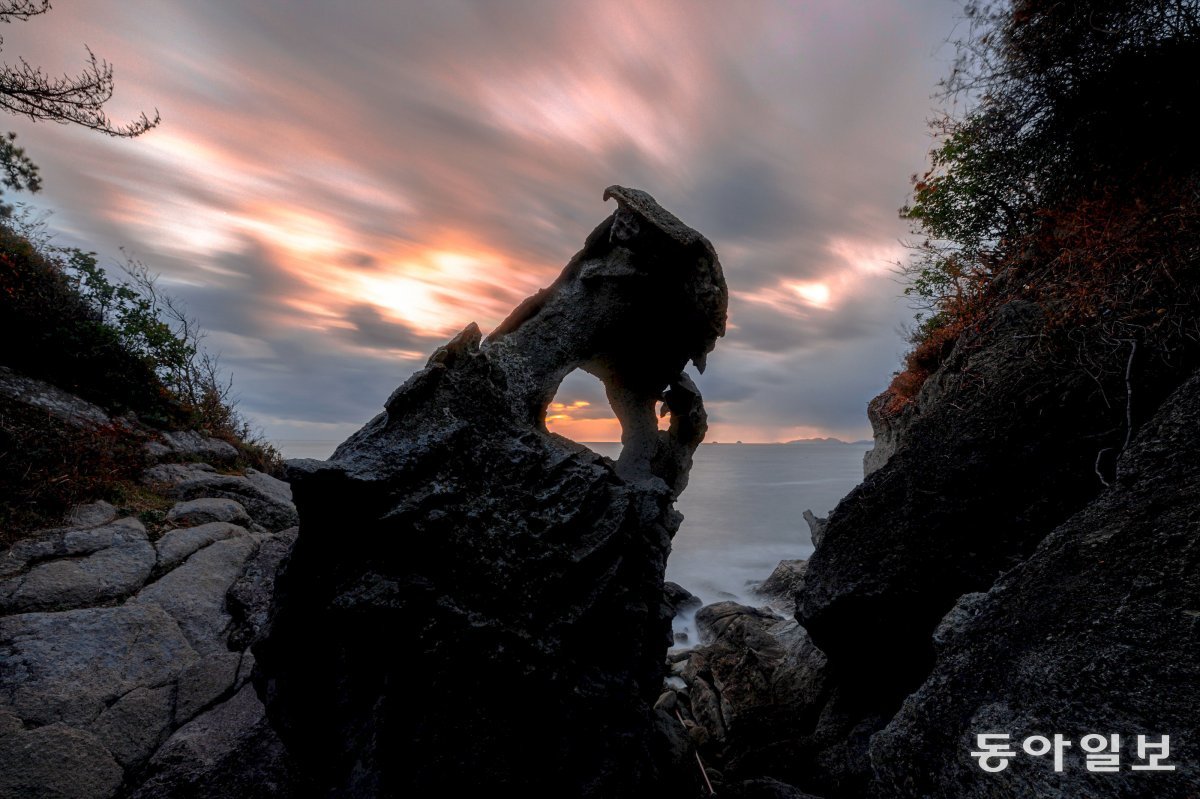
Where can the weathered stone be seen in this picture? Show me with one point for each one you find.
(173, 474)
(204, 681)
(92, 514)
(191, 445)
(706, 708)
(784, 582)
(70, 666)
(1096, 633)
(523, 572)
(38, 546)
(195, 512)
(263, 501)
(816, 527)
(56, 762)
(9, 724)
(711, 620)
(136, 724)
(245, 669)
(887, 427)
(120, 561)
(60, 542)
(194, 593)
(679, 598)
(58, 404)
(177, 545)
(273, 487)
(249, 599)
(758, 686)
(230, 751)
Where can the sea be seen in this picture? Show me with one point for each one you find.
(743, 509)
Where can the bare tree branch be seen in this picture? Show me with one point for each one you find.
(28, 91)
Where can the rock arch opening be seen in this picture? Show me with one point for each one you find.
(581, 412)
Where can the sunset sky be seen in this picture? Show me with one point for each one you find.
(337, 188)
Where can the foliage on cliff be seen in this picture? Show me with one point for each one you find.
(119, 345)
(1071, 179)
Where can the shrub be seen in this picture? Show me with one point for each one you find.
(123, 346)
(1071, 180)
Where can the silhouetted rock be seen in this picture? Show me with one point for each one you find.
(784, 582)
(754, 691)
(1079, 639)
(517, 576)
(679, 598)
(998, 447)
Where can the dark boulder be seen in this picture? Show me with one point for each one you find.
(679, 598)
(1096, 633)
(755, 690)
(783, 583)
(1004, 442)
(474, 603)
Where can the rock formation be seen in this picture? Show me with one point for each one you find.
(124, 668)
(1096, 633)
(475, 603)
(998, 448)
(1023, 561)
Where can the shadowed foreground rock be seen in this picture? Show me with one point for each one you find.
(475, 603)
(1096, 633)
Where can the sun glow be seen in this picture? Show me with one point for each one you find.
(813, 293)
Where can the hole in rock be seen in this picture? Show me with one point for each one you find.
(580, 412)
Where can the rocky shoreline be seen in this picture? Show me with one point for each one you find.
(125, 660)
(124, 655)
(460, 599)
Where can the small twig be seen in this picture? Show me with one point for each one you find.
(1100, 474)
(699, 762)
(1129, 394)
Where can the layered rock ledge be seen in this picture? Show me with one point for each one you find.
(124, 662)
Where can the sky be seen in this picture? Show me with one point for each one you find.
(336, 189)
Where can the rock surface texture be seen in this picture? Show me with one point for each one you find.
(1023, 561)
(124, 668)
(516, 576)
(1079, 639)
(998, 448)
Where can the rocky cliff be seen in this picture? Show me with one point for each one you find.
(124, 662)
(1019, 560)
(488, 596)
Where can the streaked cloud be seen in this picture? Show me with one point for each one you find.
(337, 189)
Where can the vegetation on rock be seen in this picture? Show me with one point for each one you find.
(122, 346)
(1070, 180)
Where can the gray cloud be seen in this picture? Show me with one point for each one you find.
(776, 128)
(371, 329)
